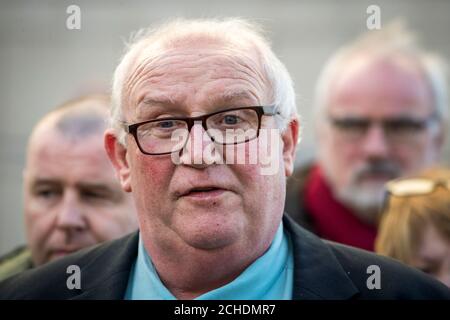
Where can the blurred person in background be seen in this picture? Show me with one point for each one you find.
(415, 224)
(381, 113)
(72, 198)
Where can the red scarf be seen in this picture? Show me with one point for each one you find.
(332, 220)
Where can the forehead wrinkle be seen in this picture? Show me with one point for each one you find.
(148, 65)
(137, 70)
(229, 95)
(147, 70)
(234, 68)
(137, 76)
(232, 95)
(150, 101)
(248, 71)
(223, 99)
(144, 67)
(251, 69)
(230, 57)
(158, 99)
(131, 78)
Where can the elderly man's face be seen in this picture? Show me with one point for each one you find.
(72, 197)
(205, 207)
(379, 126)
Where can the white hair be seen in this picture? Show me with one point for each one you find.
(394, 40)
(238, 34)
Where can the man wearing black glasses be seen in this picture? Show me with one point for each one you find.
(211, 223)
(381, 113)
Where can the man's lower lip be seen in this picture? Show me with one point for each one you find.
(205, 194)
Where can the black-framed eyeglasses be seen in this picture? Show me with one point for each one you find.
(409, 187)
(225, 127)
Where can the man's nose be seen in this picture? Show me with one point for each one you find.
(199, 151)
(70, 214)
(375, 144)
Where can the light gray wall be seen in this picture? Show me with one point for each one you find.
(42, 63)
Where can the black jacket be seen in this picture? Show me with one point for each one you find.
(323, 270)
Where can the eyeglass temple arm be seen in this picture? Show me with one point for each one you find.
(125, 126)
(270, 110)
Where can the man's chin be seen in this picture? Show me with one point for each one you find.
(210, 231)
(210, 242)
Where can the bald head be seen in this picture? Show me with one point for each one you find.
(77, 119)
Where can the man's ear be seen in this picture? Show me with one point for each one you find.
(117, 153)
(290, 138)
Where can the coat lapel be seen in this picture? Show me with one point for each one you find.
(107, 276)
(317, 272)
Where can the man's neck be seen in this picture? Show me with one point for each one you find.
(189, 272)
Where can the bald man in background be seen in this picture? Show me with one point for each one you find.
(72, 198)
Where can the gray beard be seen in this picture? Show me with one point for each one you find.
(365, 201)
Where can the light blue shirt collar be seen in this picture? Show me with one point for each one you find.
(270, 277)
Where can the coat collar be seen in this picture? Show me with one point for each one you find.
(317, 272)
(106, 277)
